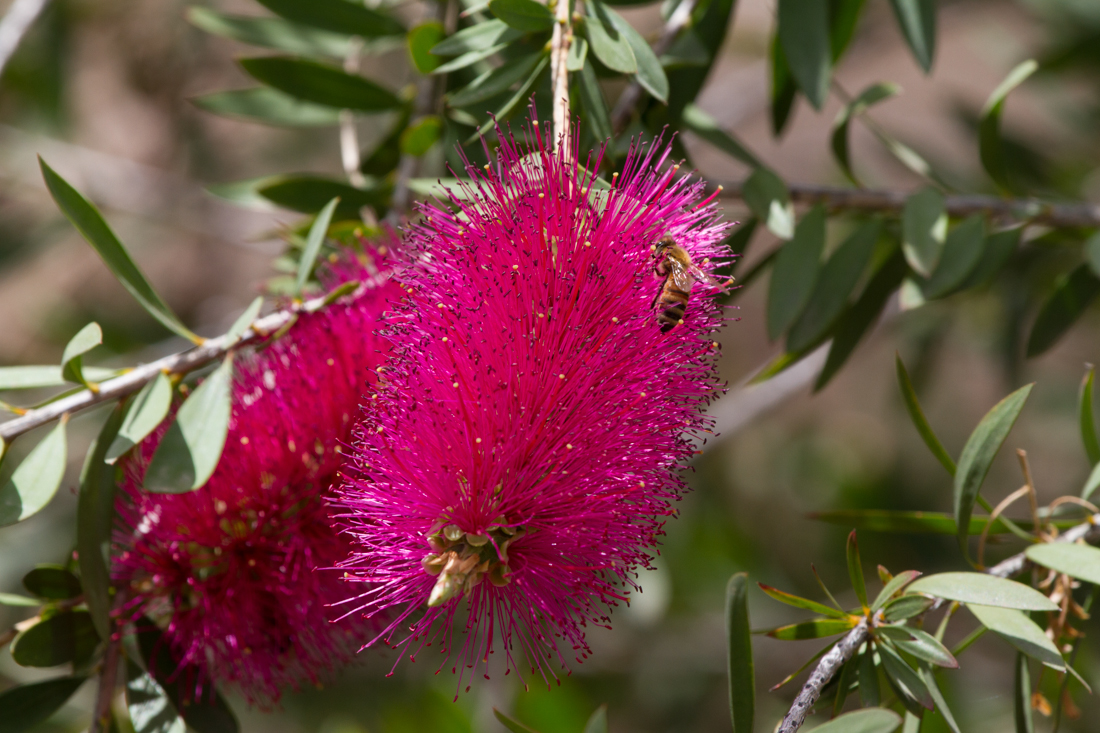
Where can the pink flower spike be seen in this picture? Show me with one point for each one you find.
(230, 572)
(519, 463)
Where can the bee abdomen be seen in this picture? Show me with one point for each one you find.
(671, 313)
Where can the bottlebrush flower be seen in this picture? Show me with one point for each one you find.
(228, 570)
(516, 465)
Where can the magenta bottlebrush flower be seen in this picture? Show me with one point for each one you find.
(515, 468)
(229, 570)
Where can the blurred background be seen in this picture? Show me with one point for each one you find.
(101, 91)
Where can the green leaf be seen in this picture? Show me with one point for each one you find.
(577, 55)
(1087, 420)
(686, 50)
(1092, 252)
(855, 571)
(917, 19)
(420, 136)
(513, 103)
(244, 321)
(861, 316)
(209, 713)
(838, 278)
(998, 249)
(143, 415)
(314, 241)
(813, 629)
(320, 83)
(916, 414)
(513, 725)
(868, 97)
(804, 35)
(608, 43)
(739, 664)
(783, 89)
(903, 522)
(422, 39)
(52, 582)
(1021, 703)
(25, 706)
(84, 341)
(928, 676)
(804, 603)
(527, 16)
(985, 589)
(978, 453)
(190, 450)
(150, 709)
(69, 636)
(95, 517)
(1019, 631)
(1072, 295)
(904, 678)
(906, 607)
(271, 33)
(1092, 483)
(340, 16)
(962, 251)
(844, 14)
(989, 128)
(480, 37)
(701, 124)
(651, 76)
(710, 22)
(1080, 561)
(36, 377)
(923, 645)
(893, 587)
(868, 678)
(35, 481)
(766, 194)
(597, 722)
(87, 219)
(11, 599)
(309, 194)
(593, 103)
(871, 720)
(268, 107)
(924, 226)
(795, 272)
(495, 81)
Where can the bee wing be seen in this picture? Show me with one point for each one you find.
(699, 275)
(682, 278)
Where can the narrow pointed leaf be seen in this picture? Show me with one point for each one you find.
(190, 450)
(868, 97)
(868, 678)
(906, 607)
(36, 377)
(767, 196)
(597, 722)
(989, 128)
(95, 515)
(838, 278)
(607, 42)
(924, 226)
(917, 19)
(26, 706)
(52, 582)
(814, 629)
(962, 251)
(650, 75)
(978, 453)
(795, 272)
(480, 37)
(996, 252)
(905, 678)
(69, 636)
(804, 35)
(739, 663)
(1087, 420)
(495, 81)
(34, 481)
(916, 414)
(513, 104)
(511, 724)
(527, 16)
(314, 241)
(928, 675)
(984, 589)
(1020, 631)
(924, 646)
(244, 320)
(848, 675)
(320, 83)
(144, 413)
(339, 16)
(701, 124)
(1091, 484)
(1080, 561)
(843, 17)
(87, 219)
(872, 720)
(805, 603)
(593, 102)
(893, 586)
(268, 107)
(150, 709)
(84, 341)
(1021, 701)
(783, 89)
(309, 194)
(17, 601)
(1072, 295)
(274, 33)
(855, 570)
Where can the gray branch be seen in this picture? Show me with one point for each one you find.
(20, 17)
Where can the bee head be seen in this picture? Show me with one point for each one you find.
(664, 243)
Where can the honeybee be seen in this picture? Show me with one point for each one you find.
(680, 273)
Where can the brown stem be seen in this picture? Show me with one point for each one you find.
(105, 692)
(560, 41)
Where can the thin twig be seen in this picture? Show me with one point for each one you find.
(20, 17)
(888, 201)
(831, 663)
(349, 136)
(105, 692)
(138, 377)
(628, 100)
(560, 41)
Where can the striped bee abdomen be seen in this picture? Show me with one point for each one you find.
(672, 302)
